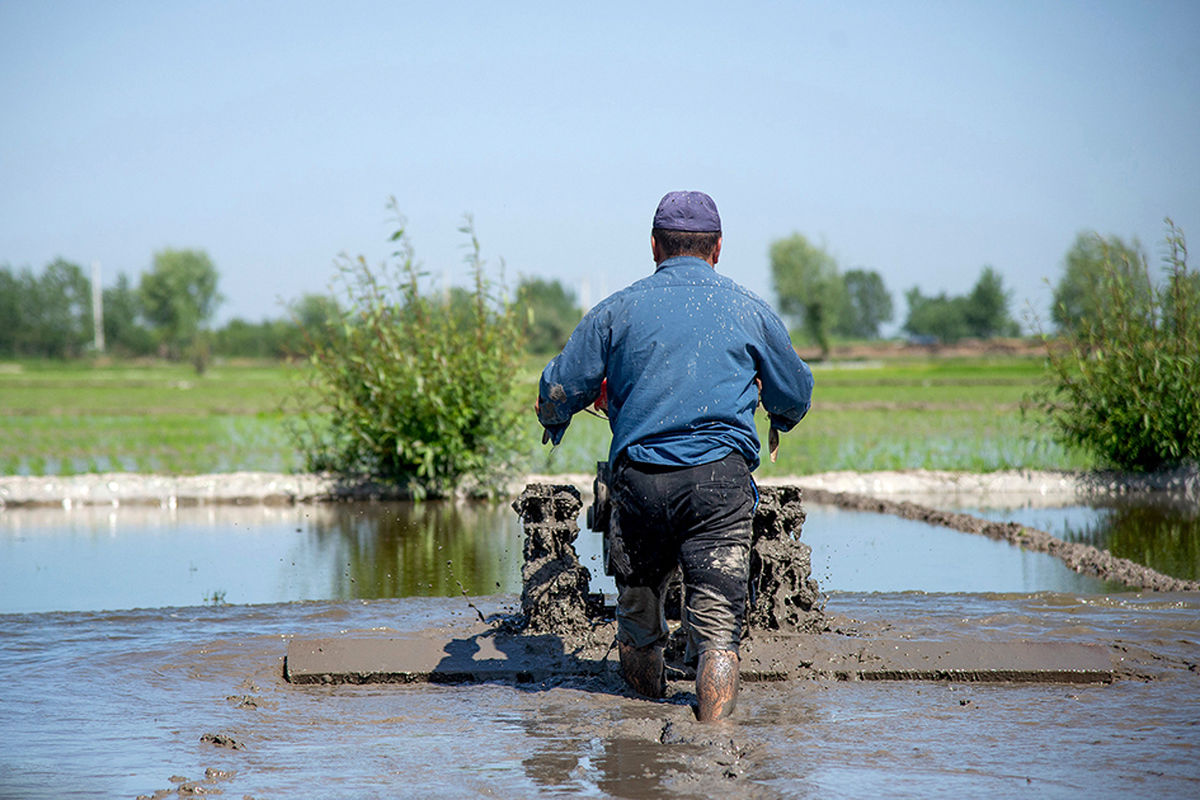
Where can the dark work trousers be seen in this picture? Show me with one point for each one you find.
(696, 517)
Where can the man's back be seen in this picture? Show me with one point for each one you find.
(681, 350)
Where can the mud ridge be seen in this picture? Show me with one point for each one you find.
(1082, 558)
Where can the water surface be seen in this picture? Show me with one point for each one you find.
(93, 559)
(1158, 530)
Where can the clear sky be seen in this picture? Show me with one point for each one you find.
(922, 140)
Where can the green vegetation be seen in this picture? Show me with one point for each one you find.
(811, 292)
(1079, 293)
(955, 414)
(983, 313)
(550, 314)
(417, 388)
(64, 418)
(1125, 386)
(58, 418)
(178, 296)
(49, 315)
(868, 305)
(46, 315)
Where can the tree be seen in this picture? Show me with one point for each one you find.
(982, 313)
(986, 309)
(47, 315)
(868, 304)
(1078, 294)
(550, 313)
(124, 332)
(941, 317)
(315, 319)
(809, 288)
(178, 296)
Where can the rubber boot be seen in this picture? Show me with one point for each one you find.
(716, 684)
(643, 669)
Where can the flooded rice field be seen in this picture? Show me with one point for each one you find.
(93, 558)
(141, 654)
(1160, 532)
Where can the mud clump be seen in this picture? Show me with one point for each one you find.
(783, 594)
(554, 594)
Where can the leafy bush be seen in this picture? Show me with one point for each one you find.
(1124, 386)
(415, 389)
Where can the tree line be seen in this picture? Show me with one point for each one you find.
(822, 301)
(167, 313)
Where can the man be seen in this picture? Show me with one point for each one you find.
(687, 355)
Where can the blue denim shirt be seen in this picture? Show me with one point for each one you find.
(681, 350)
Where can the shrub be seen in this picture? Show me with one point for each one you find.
(1123, 383)
(413, 388)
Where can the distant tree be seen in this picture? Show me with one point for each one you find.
(941, 317)
(868, 304)
(983, 313)
(12, 301)
(550, 313)
(124, 332)
(178, 296)
(986, 308)
(48, 314)
(267, 339)
(1091, 261)
(809, 288)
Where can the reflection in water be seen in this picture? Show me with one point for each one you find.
(420, 549)
(99, 558)
(1156, 530)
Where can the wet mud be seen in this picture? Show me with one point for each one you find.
(145, 686)
(783, 594)
(1082, 558)
(556, 596)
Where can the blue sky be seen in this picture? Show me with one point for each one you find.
(922, 140)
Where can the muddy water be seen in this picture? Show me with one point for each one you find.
(127, 703)
(118, 705)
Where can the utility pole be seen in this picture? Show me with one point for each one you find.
(97, 309)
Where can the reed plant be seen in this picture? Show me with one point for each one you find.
(415, 388)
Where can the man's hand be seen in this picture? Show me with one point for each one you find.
(773, 443)
(537, 404)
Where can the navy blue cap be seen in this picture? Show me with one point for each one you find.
(687, 211)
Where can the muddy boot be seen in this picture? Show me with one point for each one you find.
(643, 669)
(716, 684)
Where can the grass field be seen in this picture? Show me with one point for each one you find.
(59, 419)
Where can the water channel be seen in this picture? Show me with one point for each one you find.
(128, 634)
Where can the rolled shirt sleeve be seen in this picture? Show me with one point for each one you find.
(571, 381)
(787, 382)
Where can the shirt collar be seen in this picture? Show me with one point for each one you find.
(680, 261)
